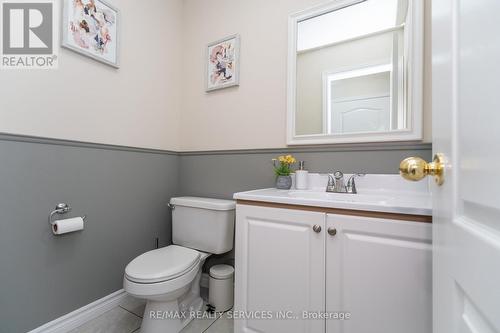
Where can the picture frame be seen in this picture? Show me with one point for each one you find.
(91, 28)
(223, 63)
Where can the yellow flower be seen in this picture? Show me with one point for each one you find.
(288, 159)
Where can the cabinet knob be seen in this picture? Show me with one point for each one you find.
(317, 228)
(332, 231)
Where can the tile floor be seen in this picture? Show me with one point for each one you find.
(127, 318)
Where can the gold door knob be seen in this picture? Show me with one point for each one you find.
(415, 168)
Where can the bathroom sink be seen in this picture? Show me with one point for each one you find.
(366, 198)
(382, 193)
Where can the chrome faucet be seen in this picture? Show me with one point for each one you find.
(336, 183)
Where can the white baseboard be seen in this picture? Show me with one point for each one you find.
(80, 316)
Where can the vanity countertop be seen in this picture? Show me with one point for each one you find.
(376, 193)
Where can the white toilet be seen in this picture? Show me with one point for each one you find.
(169, 278)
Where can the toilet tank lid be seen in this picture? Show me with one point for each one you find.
(206, 203)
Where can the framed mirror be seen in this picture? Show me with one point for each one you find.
(355, 72)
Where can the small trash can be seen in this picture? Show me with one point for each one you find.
(221, 288)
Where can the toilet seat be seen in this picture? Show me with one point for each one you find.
(162, 264)
(157, 290)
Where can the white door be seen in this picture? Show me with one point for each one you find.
(380, 272)
(466, 129)
(280, 270)
(362, 115)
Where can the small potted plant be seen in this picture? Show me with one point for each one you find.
(282, 169)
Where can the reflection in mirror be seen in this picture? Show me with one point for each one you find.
(352, 70)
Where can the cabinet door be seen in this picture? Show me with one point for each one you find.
(280, 270)
(380, 272)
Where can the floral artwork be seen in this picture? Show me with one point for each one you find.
(223, 63)
(90, 28)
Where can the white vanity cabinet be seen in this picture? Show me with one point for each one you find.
(280, 269)
(378, 270)
(290, 260)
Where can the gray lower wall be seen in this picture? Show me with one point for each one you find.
(124, 193)
(220, 174)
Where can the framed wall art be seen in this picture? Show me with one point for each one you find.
(223, 64)
(90, 27)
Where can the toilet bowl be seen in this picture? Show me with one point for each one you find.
(169, 277)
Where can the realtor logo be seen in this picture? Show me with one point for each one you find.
(28, 34)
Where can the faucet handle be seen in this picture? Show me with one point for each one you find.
(331, 183)
(351, 184)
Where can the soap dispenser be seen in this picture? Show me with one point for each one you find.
(301, 176)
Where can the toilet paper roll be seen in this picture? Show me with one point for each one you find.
(60, 227)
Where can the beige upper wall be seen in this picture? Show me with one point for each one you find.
(162, 72)
(137, 105)
(252, 115)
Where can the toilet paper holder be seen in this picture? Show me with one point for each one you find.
(61, 208)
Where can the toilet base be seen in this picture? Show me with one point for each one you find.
(172, 304)
(164, 314)
(171, 316)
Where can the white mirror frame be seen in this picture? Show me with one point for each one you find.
(415, 39)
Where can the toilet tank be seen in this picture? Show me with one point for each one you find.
(203, 224)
